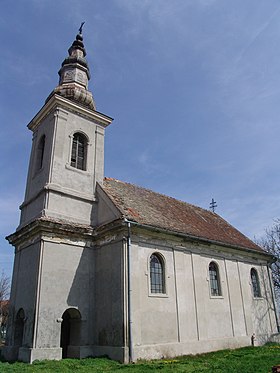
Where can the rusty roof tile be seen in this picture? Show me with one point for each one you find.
(150, 208)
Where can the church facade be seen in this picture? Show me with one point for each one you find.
(103, 267)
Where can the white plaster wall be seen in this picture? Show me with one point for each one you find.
(154, 317)
(73, 209)
(187, 315)
(214, 319)
(33, 209)
(23, 292)
(66, 282)
(66, 192)
(263, 319)
(260, 316)
(68, 124)
(109, 328)
(38, 178)
(105, 211)
(239, 326)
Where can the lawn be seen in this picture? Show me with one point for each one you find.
(243, 360)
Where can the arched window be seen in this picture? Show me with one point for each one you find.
(79, 151)
(157, 277)
(215, 286)
(40, 153)
(255, 283)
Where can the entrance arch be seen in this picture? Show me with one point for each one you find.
(19, 328)
(70, 333)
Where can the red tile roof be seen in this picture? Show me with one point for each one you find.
(157, 210)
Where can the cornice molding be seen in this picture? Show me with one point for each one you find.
(59, 102)
(51, 227)
(60, 228)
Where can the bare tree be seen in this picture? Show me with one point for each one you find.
(4, 287)
(271, 243)
(4, 302)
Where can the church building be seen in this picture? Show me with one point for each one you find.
(104, 267)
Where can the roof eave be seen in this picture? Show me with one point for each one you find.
(202, 239)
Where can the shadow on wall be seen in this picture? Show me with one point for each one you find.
(76, 322)
(265, 318)
(97, 294)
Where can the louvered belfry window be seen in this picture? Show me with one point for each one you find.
(79, 149)
(40, 153)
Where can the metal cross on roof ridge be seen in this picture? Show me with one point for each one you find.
(213, 205)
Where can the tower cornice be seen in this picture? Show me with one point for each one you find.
(46, 226)
(59, 102)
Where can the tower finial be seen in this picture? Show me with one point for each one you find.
(81, 28)
(74, 74)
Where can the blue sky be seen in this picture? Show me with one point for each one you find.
(193, 87)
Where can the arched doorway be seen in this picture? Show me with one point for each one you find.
(70, 333)
(19, 327)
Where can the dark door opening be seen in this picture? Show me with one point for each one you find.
(19, 327)
(65, 334)
(70, 333)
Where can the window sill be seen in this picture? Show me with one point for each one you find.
(158, 295)
(69, 167)
(216, 297)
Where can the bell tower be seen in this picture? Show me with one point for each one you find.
(52, 301)
(67, 157)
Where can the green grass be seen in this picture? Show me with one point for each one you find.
(243, 360)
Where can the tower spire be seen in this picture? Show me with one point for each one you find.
(74, 75)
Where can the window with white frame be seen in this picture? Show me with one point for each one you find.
(256, 290)
(214, 279)
(79, 151)
(157, 275)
